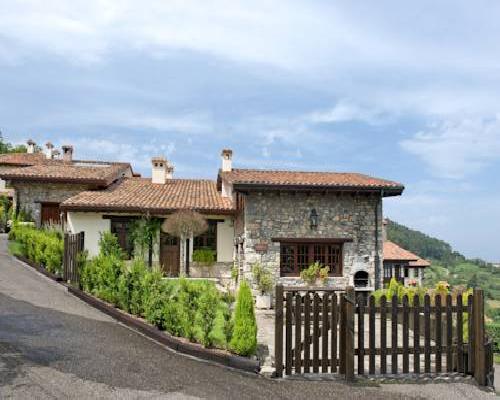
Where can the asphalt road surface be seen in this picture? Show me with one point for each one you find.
(53, 346)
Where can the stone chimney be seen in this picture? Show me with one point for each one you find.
(30, 144)
(227, 160)
(67, 153)
(55, 154)
(49, 150)
(159, 170)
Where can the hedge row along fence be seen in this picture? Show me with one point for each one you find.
(44, 247)
(193, 309)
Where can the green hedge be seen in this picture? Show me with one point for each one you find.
(193, 309)
(493, 331)
(42, 246)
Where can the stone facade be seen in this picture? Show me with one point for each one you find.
(30, 195)
(358, 217)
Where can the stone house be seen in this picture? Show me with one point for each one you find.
(406, 267)
(39, 181)
(284, 220)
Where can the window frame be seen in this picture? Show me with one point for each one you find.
(128, 248)
(299, 255)
(209, 235)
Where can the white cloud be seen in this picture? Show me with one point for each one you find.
(286, 34)
(456, 149)
(345, 111)
(193, 123)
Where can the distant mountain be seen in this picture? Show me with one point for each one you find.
(421, 244)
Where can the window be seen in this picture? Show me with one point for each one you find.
(397, 272)
(121, 228)
(416, 272)
(387, 271)
(208, 239)
(406, 272)
(295, 257)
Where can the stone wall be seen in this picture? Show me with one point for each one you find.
(271, 215)
(30, 195)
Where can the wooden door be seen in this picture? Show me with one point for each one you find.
(169, 254)
(50, 213)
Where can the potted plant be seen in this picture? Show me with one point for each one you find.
(264, 281)
(205, 258)
(315, 274)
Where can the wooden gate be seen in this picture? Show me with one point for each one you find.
(169, 255)
(335, 332)
(73, 246)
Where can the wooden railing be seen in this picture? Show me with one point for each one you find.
(328, 331)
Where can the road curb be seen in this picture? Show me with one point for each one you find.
(174, 343)
(192, 349)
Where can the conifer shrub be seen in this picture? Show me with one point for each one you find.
(244, 338)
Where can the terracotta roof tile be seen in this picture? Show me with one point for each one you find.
(140, 194)
(22, 159)
(99, 173)
(420, 263)
(392, 252)
(308, 179)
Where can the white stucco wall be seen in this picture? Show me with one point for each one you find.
(225, 239)
(90, 223)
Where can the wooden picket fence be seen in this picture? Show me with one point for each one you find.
(328, 331)
(73, 246)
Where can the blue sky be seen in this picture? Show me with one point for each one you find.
(405, 92)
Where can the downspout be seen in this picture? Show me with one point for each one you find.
(377, 245)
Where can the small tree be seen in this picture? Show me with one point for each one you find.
(186, 223)
(144, 236)
(244, 339)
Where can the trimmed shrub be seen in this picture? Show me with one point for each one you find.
(206, 313)
(130, 288)
(244, 339)
(42, 246)
(108, 245)
(493, 331)
(189, 308)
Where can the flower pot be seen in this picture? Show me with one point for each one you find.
(263, 301)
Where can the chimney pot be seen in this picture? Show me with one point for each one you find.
(159, 170)
(227, 160)
(30, 146)
(49, 152)
(67, 153)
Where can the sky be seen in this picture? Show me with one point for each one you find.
(404, 91)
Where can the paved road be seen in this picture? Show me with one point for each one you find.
(53, 346)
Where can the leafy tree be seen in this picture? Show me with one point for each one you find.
(145, 236)
(7, 147)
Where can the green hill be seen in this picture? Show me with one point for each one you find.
(449, 265)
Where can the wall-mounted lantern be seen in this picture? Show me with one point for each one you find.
(313, 219)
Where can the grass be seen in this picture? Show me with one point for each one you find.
(15, 248)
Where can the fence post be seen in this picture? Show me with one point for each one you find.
(350, 305)
(65, 258)
(81, 249)
(278, 331)
(479, 343)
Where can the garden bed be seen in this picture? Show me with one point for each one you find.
(178, 344)
(39, 268)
